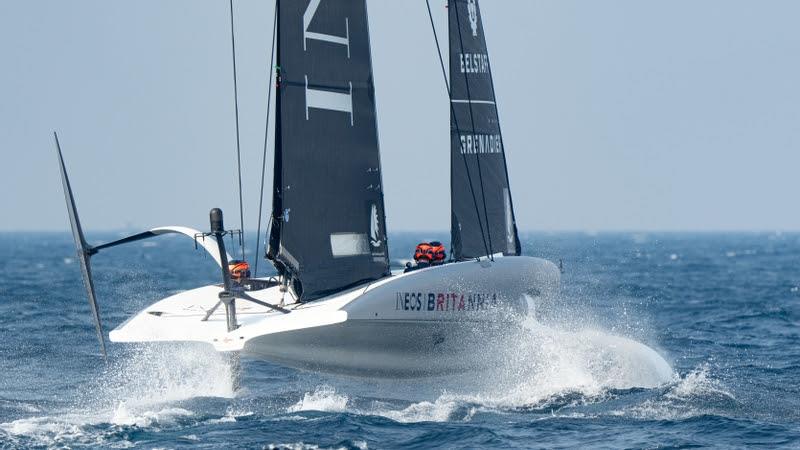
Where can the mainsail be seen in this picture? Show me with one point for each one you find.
(482, 212)
(328, 223)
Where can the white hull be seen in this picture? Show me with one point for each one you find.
(434, 321)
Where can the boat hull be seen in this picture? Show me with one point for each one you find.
(375, 348)
(435, 321)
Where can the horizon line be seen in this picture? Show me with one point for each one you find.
(588, 231)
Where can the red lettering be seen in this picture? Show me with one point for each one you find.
(461, 303)
(440, 302)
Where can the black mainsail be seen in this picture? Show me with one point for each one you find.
(328, 230)
(482, 212)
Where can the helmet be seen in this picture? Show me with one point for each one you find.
(438, 252)
(424, 252)
(239, 269)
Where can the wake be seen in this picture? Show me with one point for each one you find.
(542, 366)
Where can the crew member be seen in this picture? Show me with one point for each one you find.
(239, 270)
(438, 253)
(427, 254)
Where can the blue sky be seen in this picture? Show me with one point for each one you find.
(617, 115)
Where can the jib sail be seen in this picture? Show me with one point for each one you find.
(482, 212)
(328, 231)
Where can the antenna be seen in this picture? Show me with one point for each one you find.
(238, 146)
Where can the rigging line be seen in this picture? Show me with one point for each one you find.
(455, 120)
(238, 146)
(477, 155)
(270, 70)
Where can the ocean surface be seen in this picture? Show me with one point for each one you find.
(721, 312)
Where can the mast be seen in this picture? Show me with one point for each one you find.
(479, 174)
(328, 231)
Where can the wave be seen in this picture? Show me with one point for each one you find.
(698, 384)
(543, 367)
(693, 394)
(324, 398)
(76, 428)
(139, 389)
(558, 374)
(361, 445)
(546, 361)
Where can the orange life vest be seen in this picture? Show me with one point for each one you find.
(430, 252)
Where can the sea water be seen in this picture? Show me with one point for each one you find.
(657, 340)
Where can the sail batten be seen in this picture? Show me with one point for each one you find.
(483, 221)
(328, 228)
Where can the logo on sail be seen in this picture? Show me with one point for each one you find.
(474, 144)
(374, 228)
(338, 99)
(472, 8)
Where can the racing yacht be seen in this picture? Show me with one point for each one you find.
(334, 305)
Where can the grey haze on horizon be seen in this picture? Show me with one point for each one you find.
(624, 115)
